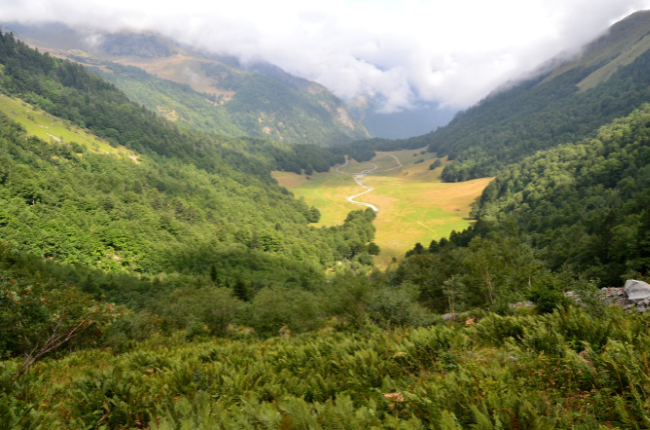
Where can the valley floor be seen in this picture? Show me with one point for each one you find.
(414, 205)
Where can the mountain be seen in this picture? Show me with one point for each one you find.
(608, 80)
(567, 101)
(580, 210)
(415, 121)
(577, 208)
(260, 100)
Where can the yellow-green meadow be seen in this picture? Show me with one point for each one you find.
(414, 205)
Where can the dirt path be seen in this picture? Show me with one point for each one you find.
(360, 175)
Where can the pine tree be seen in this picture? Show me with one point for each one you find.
(434, 247)
(213, 274)
(241, 290)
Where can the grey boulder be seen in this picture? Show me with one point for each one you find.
(637, 291)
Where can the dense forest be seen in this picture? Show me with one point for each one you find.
(537, 115)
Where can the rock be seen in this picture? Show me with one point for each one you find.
(394, 397)
(522, 305)
(637, 291)
(573, 296)
(449, 317)
(614, 296)
(635, 294)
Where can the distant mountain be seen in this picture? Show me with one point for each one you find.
(568, 100)
(407, 123)
(218, 93)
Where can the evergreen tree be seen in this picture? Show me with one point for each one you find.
(434, 247)
(213, 274)
(241, 290)
(373, 248)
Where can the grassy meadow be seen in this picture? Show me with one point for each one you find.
(414, 205)
(52, 129)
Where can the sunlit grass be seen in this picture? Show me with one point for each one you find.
(414, 205)
(52, 129)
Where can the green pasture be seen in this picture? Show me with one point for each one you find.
(414, 205)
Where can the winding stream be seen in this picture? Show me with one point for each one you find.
(360, 175)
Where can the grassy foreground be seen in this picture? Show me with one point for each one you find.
(414, 205)
(566, 370)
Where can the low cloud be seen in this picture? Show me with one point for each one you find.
(402, 52)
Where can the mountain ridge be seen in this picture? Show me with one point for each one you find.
(272, 104)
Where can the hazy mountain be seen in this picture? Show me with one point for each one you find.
(261, 101)
(407, 123)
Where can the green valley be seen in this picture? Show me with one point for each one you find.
(414, 205)
(188, 243)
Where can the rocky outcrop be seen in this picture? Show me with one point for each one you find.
(573, 296)
(634, 294)
(637, 291)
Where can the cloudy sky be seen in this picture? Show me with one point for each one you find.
(451, 52)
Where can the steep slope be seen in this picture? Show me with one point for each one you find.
(257, 101)
(609, 80)
(178, 103)
(580, 210)
(176, 202)
(623, 43)
(586, 205)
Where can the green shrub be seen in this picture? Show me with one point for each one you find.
(278, 307)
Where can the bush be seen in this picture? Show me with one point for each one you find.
(278, 307)
(398, 307)
(211, 307)
(547, 295)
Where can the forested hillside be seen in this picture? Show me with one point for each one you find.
(173, 284)
(581, 211)
(194, 202)
(585, 205)
(177, 103)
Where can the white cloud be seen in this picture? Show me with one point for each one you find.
(403, 51)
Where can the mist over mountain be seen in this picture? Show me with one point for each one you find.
(233, 99)
(401, 54)
(118, 47)
(566, 100)
(403, 124)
